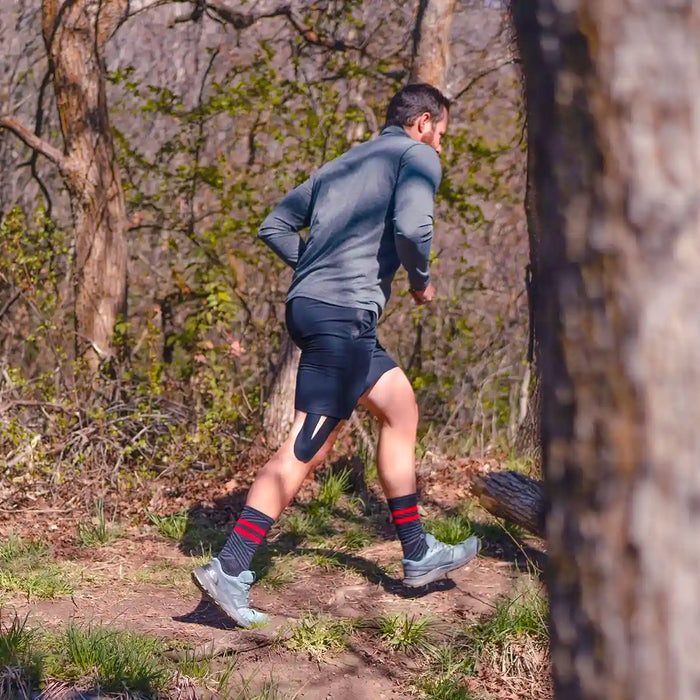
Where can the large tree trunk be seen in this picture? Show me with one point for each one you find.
(611, 92)
(75, 34)
(431, 42)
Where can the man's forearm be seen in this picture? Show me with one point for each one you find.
(414, 255)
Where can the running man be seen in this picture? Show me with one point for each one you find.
(368, 211)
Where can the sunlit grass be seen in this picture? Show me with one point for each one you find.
(98, 531)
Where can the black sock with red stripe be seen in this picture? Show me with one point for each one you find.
(248, 533)
(404, 514)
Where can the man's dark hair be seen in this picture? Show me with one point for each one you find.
(412, 101)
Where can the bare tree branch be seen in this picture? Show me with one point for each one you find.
(35, 142)
(481, 75)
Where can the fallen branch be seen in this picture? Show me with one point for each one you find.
(512, 496)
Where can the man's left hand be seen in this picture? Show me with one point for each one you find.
(425, 296)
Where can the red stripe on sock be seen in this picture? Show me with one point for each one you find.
(254, 528)
(247, 534)
(412, 509)
(407, 519)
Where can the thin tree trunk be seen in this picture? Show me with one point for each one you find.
(279, 413)
(75, 34)
(611, 94)
(529, 436)
(431, 42)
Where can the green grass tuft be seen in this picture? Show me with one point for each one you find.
(334, 485)
(515, 637)
(114, 661)
(16, 548)
(451, 530)
(173, 526)
(318, 636)
(314, 522)
(193, 667)
(405, 634)
(445, 679)
(98, 531)
(20, 664)
(354, 538)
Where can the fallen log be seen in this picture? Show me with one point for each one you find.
(512, 496)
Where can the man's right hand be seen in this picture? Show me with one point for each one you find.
(425, 296)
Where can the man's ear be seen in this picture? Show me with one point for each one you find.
(424, 122)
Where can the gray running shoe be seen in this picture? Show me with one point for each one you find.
(439, 560)
(231, 594)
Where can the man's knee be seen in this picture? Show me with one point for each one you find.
(312, 437)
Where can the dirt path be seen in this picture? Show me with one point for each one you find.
(141, 584)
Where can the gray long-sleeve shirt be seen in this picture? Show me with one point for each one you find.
(368, 211)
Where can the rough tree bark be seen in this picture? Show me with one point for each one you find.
(512, 496)
(75, 34)
(279, 413)
(431, 42)
(529, 435)
(611, 93)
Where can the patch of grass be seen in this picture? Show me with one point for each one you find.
(444, 680)
(515, 639)
(24, 568)
(48, 581)
(115, 661)
(451, 530)
(334, 485)
(315, 522)
(513, 642)
(15, 548)
(527, 464)
(318, 636)
(166, 574)
(406, 634)
(446, 689)
(20, 664)
(278, 574)
(324, 562)
(193, 667)
(268, 691)
(354, 538)
(172, 526)
(98, 531)
(498, 529)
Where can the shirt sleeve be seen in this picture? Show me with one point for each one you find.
(280, 229)
(418, 179)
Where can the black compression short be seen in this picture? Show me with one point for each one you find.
(340, 355)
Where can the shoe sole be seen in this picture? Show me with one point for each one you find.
(440, 571)
(202, 585)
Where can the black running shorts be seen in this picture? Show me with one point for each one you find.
(340, 355)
